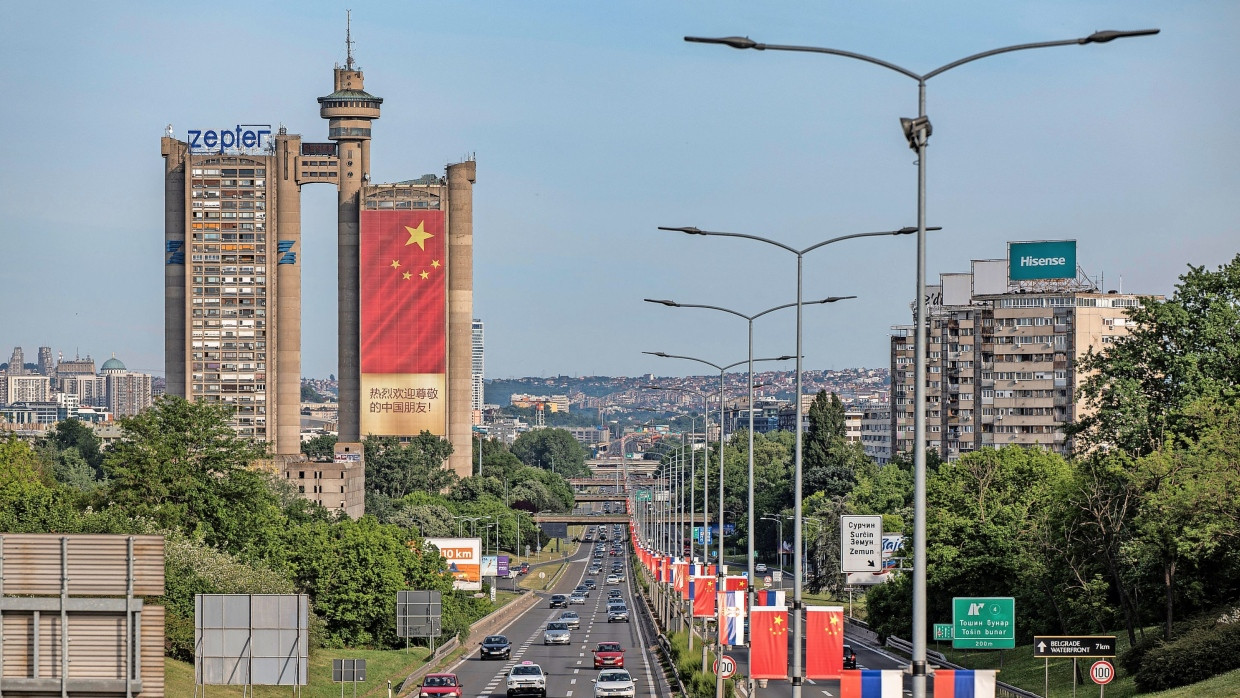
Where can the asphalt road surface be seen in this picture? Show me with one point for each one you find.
(571, 668)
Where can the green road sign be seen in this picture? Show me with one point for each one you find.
(643, 495)
(984, 623)
(942, 631)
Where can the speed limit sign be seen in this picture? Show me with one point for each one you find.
(1102, 672)
(725, 667)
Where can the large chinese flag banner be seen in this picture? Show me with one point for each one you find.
(403, 299)
(704, 597)
(768, 642)
(824, 642)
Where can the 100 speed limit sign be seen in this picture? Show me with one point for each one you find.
(1102, 672)
(725, 667)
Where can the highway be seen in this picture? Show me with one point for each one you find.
(571, 668)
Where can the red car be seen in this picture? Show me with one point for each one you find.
(609, 655)
(440, 686)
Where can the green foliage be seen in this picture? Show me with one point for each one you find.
(73, 434)
(830, 461)
(552, 449)
(395, 469)
(1198, 654)
(320, 448)
(890, 607)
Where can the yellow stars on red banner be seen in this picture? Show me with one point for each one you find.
(435, 263)
(833, 625)
(406, 276)
(777, 625)
(418, 236)
(396, 264)
(424, 274)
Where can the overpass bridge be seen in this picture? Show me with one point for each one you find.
(587, 520)
(599, 497)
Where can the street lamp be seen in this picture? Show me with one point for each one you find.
(749, 319)
(917, 131)
(705, 517)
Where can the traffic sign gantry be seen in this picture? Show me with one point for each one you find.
(984, 623)
(1102, 672)
(1078, 646)
(728, 668)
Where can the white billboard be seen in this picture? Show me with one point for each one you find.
(464, 558)
(861, 543)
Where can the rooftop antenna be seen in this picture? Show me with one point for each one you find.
(348, 38)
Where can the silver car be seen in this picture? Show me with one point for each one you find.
(557, 633)
(617, 613)
(571, 619)
(614, 682)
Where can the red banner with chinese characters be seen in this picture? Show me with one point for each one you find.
(824, 642)
(403, 322)
(768, 642)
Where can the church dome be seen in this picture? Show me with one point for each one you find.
(112, 364)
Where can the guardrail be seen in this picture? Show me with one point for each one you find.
(1002, 690)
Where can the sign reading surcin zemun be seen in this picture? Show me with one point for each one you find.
(861, 543)
(1046, 259)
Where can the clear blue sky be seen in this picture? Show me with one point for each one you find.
(593, 123)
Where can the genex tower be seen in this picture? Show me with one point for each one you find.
(233, 288)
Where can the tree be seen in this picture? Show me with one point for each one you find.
(1179, 349)
(320, 448)
(73, 433)
(829, 460)
(551, 449)
(395, 469)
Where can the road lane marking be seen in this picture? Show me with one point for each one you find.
(572, 682)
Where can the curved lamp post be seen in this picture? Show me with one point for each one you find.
(917, 131)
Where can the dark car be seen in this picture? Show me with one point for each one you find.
(495, 646)
(559, 601)
(850, 657)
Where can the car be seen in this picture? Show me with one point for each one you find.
(559, 601)
(590, 584)
(760, 568)
(527, 679)
(850, 657)
(440, 686)
(524, 568)
(609, 654)
(495, 646)
(571, 619)
(585, 590)
(614, 594)
(614, 683)
(557, 633)
(613, 579)
(577, 599)
(617, 613)
(619, 576)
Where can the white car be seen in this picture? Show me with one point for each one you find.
(571, 619)
(613, 579)
(760, 568)
(557, 633)
(527, 679)
(614, 682)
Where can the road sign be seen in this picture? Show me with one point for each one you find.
(643, 495)
(1079, 646)
(942, 631)
(728, 668)
(984, 623)
(778, 575)
(766, 581)
(861, 543)
(1102, 672)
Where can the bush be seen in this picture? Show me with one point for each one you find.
(1194, 656)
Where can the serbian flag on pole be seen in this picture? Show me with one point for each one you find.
(768, 642)
(732, 617)
(964, 684)
(704, 597)
(824, 642)
(868, 683)
(735, 583)
(768, 597)
(667, 569)
(658, 568)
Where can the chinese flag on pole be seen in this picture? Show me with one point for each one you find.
(824, 642)
(735, 584)
(768, 642)
(704, 597)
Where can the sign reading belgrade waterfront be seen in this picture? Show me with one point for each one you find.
(1047, 259)
(1085, 646)
(984, 623)
(241, 139)
(861, 543)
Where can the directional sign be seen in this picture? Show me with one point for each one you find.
(643, 495)
(984, 623)
(728, 668)
(1102, 672)
(942, 631)
(861, 543)
(1080, 646)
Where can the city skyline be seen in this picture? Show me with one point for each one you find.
(578, 118)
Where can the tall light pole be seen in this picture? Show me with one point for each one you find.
(706, 522)
(917, 131)
(749, 319)
(798, 621)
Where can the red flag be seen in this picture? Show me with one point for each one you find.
(768, 642)
(824, 642)
(679, 580)
(736, 584)
(704, 597)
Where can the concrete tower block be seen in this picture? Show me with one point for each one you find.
(461, 177)
(287, 312)
(176, 163)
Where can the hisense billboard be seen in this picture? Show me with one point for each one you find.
(1041, 260)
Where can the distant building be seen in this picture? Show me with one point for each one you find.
(126, 392)
(588, 436)
(24, 387)
(76, 367)
(46, 368)
(476, 370)
(876, 432)
(17, 363)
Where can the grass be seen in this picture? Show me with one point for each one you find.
(1222, 685)
(381, 666)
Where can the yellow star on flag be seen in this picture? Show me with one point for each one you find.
(778, 620)
(435, 263)
(396, 264)
(406, 275)
(425, 275)
(418, 236)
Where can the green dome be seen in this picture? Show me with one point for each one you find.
(112, 364)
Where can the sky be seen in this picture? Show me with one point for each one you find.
(593, 123)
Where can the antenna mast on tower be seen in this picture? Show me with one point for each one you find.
(348, 38)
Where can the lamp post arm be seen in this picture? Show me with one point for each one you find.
(846, 54)
(1005, 49)
(884, 233)
(694, 231)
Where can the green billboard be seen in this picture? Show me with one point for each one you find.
(984, 623)
(1047, 259)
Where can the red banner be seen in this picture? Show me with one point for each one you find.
(403, 322)
(824, 642)
(768, 642)
(704, 597)
(735, 584)
(680, 579)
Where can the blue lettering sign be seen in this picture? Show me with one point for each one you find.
(241, 137)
